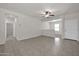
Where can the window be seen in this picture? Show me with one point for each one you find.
(56, 27)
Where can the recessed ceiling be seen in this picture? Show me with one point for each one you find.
(33, 9)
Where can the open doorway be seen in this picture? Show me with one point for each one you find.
(10, 27)
(9, 30)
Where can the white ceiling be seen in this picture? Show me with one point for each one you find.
(33, 9)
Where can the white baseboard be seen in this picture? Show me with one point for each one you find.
(72, 39)
(2, 43)
(23, 38)
(77, 39)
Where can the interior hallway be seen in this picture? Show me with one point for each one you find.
(40, 46)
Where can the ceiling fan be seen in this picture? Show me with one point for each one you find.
(47, 13)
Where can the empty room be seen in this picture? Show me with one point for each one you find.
(39, 29)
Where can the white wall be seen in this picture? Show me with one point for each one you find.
(2, 28)
(25, 26)
(45, 25)
(45, 28)
(71, 26)
(28, 27)
(48, 28)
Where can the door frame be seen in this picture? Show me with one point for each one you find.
(6, 28)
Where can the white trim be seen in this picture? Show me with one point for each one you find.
(6, 21)
(5, 29)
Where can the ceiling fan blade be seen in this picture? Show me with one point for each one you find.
(52, 15)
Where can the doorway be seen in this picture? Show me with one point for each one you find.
(10, 21)
(9, 30)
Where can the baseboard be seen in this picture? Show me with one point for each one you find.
(47, 36)
(2, 43)
(78, 40)
(30, 37)
(70, 39)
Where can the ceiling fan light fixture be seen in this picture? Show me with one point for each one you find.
(47, 13)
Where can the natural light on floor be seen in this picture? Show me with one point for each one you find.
(57, 41)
